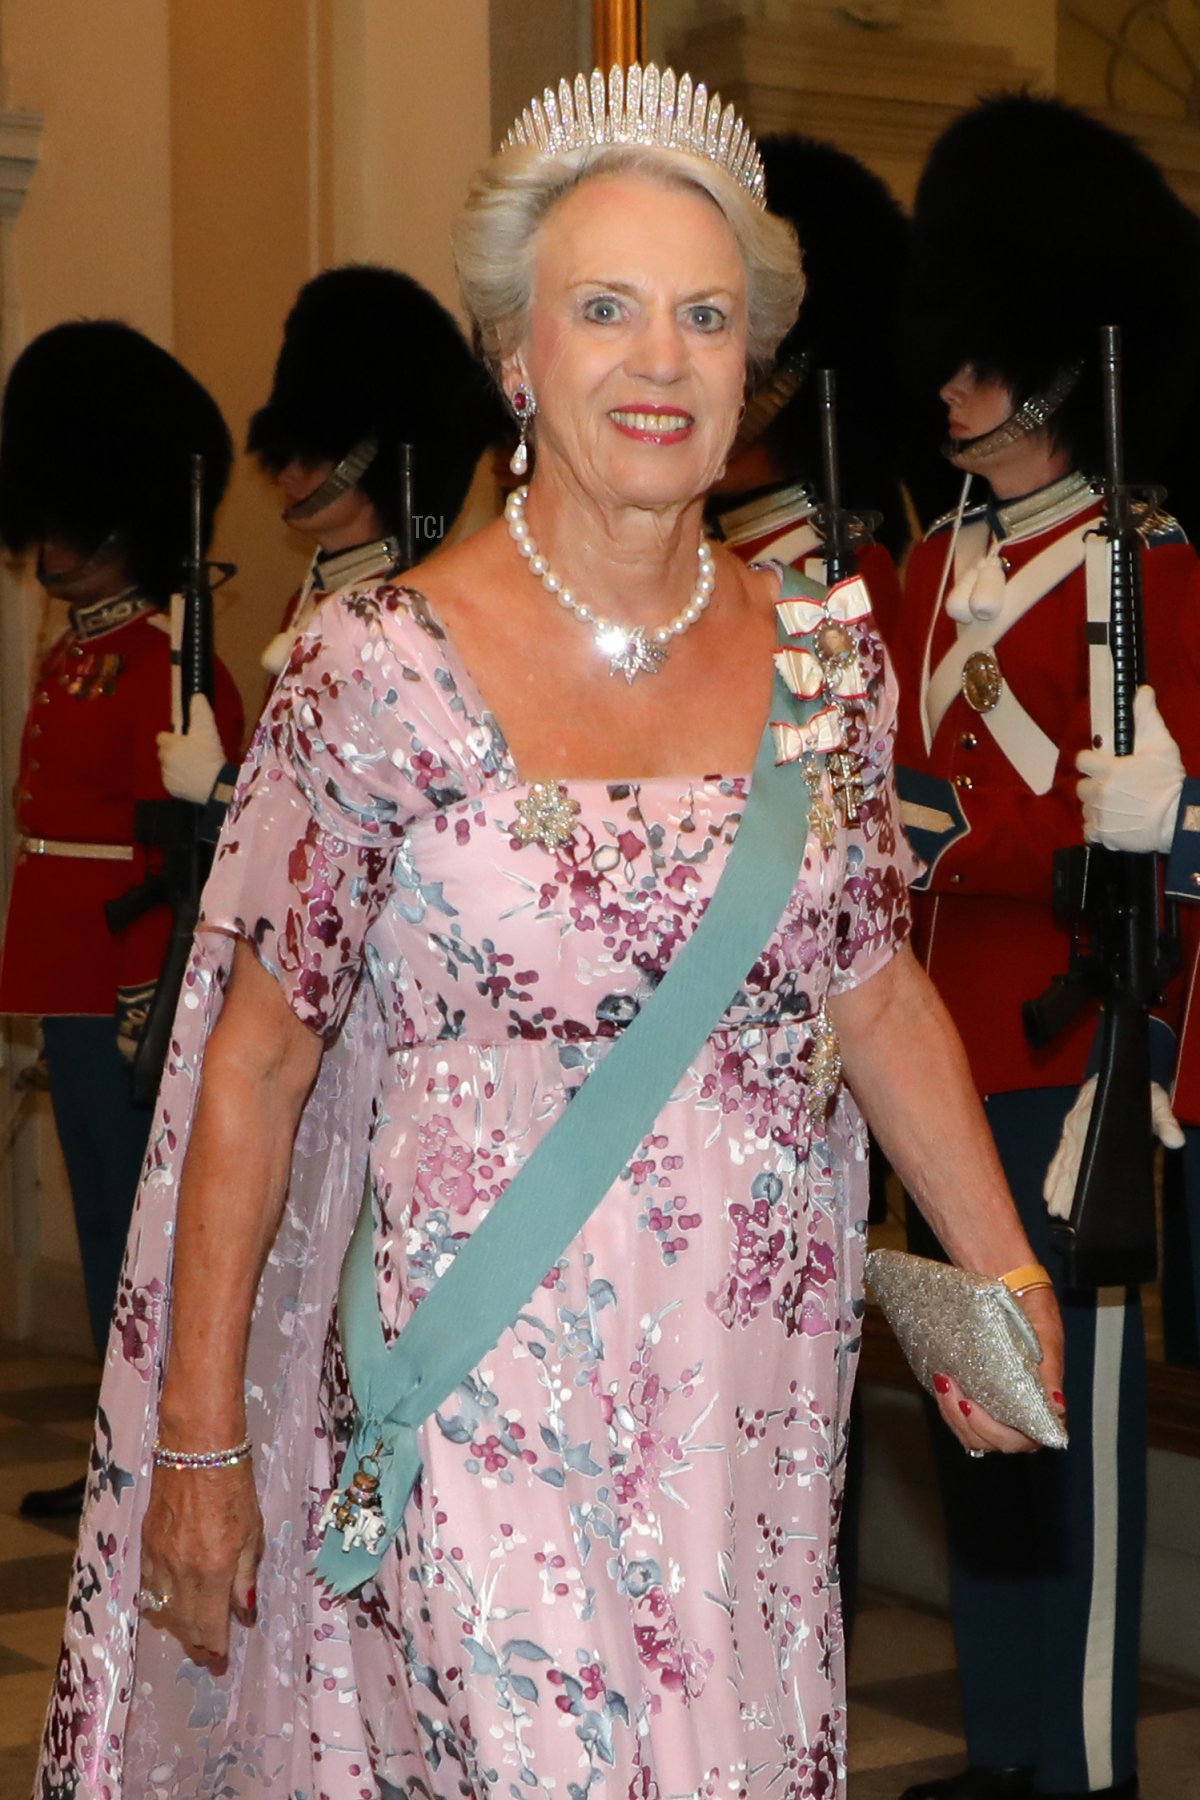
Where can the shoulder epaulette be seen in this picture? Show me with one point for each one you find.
(947, 519)
(1158, 527)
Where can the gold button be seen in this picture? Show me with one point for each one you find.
(968, 741)
(956, 878)
(963, 781)
(1194, 878)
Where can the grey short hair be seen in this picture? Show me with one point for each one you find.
(495, 239)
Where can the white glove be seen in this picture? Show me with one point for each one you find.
(1130, 802)
(191, 760)
(276, 656)
(1058, 1189)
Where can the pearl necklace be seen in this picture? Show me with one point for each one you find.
(631, 651)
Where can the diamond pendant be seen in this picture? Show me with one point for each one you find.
(630, 653)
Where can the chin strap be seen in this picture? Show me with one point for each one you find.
(1030, 416)
(346, 475)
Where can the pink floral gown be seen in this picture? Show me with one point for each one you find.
(617, 1575)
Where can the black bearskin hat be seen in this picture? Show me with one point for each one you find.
(1034, 225)
(98, 428)
(854, 243)
(369, 353)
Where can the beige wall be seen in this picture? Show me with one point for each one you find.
(303, 133)
(241, 204)
(1028, 28)
(401, 170)
(95, 233)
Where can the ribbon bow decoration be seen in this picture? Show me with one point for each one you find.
(821, 658)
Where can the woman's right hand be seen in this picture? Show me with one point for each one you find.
(201, 1543)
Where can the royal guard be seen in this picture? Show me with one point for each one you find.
(98, 432)
(372, 370)
(1035, 226)
(768, 501)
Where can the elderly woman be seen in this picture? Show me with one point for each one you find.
(485, 814)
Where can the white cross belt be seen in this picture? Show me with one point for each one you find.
(1027, 747)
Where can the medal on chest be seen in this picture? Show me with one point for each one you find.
(821, 661)
(90, 674)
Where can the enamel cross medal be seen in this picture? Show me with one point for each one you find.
(355, 1510)
(846, 782)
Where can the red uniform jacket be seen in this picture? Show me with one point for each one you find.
(88, 755)
(1186, 1095)
(985, 927)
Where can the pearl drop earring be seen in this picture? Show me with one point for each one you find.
(524, 406)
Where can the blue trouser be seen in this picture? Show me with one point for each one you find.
(103, 1137)
(1046, 1551)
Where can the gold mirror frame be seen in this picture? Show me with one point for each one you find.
(618, 32)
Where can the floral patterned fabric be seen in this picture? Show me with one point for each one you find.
(617, 1575)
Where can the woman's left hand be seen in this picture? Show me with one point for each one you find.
(976, 1429)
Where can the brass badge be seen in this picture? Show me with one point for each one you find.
(982, 682)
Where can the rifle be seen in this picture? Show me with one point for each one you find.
(173, 826)
(1122, 952)
(840, 528)
(408, 550)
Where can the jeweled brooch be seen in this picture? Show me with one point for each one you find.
(824, 1067)
(546, 816)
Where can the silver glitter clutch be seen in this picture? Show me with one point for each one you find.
(950, 1322)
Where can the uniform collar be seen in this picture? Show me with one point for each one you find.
(1031, 514)
(361, 562)
(103, 616)
(767, 514)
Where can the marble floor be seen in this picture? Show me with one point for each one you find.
(904, 1720)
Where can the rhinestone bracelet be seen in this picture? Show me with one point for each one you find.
(201, 1459)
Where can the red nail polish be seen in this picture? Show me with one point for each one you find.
(1058, 1398)
(964, 1406)
(942, 1384)
(252, 1599)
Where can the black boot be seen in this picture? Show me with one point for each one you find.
(54, 1503)
(976, 1784)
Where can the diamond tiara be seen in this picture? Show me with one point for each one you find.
(641, 106)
